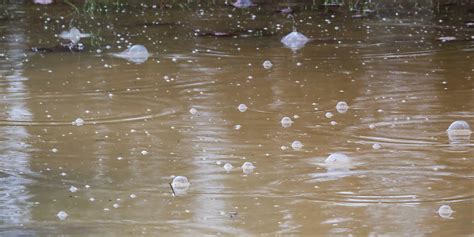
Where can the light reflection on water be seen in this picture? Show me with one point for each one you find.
(403, 92)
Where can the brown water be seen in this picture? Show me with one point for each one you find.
(403, 88)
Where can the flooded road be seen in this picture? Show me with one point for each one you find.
(90, 143)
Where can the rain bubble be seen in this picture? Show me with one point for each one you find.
(62, 215)
(459, 131)
(180, 184)
(242, 108)
(295, 40)
(136, 53)
(342, 107)
(78, 122)
(267, 64)
(445, 211)
(376, 146)
(338, 162)
(286, 122)
(328, 115)
(248, 167)
(193, 111)
(242, 3)
(228, 167)
(297, 145)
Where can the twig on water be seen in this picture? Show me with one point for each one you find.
(172, 189)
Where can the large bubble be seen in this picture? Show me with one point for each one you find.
(459, 131)
(136, 53)
(295, 40)
(180, 185)
(338, 162)
(445, 211)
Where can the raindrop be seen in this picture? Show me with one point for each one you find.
(62, 215)
(459, 131)
(342, 107)
(267, 64)
(286, 122)
(78, 122)
(338, 162)
(295, 40)
(248, 167)
(242, 108)
(445, 211)
(297, 145)
(136, 53)
(180, 185)
(228, 167)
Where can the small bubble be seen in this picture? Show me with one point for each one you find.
(62, 215)
(242, 108)
(267, 64)
(248, 167)
(342, 107)
(328, 115)
(228, 167)
(286, 122)
(78, 122)
(376, 146)
(297, 145)
(193, 111)
(73, 189)
(180, 184)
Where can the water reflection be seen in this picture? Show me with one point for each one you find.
(15, 172)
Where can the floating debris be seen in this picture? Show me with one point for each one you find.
(295, 40)
(137, 54)
(286, 122)
(179, 185)
(445, 211)
(242, 108)
(267, 64)
(62, 215)
(248, 167)
(459, 131)
(73, 35)
(342, 107)
(297, 145)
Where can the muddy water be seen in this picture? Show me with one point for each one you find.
(403, 88)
